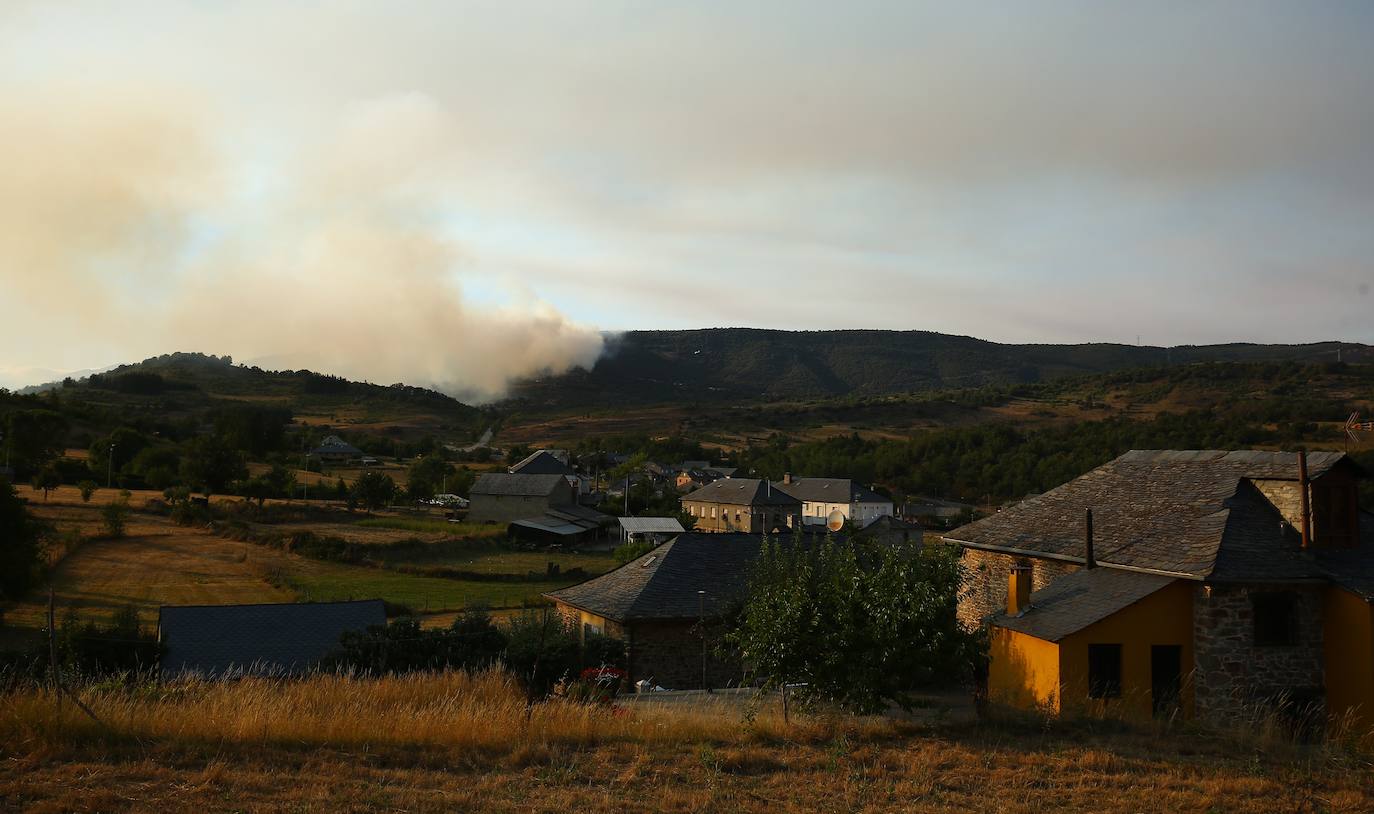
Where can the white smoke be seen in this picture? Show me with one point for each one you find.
(135, 230)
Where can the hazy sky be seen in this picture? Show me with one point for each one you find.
(453, 193)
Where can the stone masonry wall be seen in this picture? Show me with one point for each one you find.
(1232, 674)
(985, 587)
(669, 653)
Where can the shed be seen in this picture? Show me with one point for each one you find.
(220, 641)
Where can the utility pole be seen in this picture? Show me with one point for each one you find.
(109, 473)
(52, 652)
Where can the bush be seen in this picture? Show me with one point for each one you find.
(115, 517)
(631, 551)
(87, 488)
(471, 643)
(22, 541)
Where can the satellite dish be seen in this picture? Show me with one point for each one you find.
(835, 520)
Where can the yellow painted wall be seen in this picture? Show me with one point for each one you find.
(1348, 639)
(1164, 617)
(1024, 671)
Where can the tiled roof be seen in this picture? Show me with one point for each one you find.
(1074, 601)
(1186, 513)
(541, 463)
(502, 483)
(742, 492)
(663, 584)
(283, 639)
(830, 490)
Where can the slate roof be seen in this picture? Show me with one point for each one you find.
(281, 639)
(1352, 568)
(742, 492)
(651, 525)
(541, 463)
(830, 490)
(1186, 513)
(1075, 601)
(662, 585)
(502, 483)
(334, 445)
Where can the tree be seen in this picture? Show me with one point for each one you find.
(87, 488)
(128, 444)
(47, 479)
(427, 476)
(35, 438)
(631, 551)
(22, 540)
(211, 465)
(860, 625)
(115, 516)
(374, 490)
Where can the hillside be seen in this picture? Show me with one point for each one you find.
(745, 364)
(181, 386)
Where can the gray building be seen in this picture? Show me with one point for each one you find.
(499, 497)
(220, 641)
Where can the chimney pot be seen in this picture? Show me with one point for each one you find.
(787, 477)
(1306, 500)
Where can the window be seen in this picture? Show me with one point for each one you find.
(1276, 619)
(1104, 671)
(713, 512)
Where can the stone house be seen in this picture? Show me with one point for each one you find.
(747, 505)
(666, 604)
(334, 451)
(821, 496)
(499, 497)
(546, 462)
(1205, 583)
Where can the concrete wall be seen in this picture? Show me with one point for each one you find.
(505, 508)
(1348, 628)
(1165, 617)
(1233, 675)
(985, 581)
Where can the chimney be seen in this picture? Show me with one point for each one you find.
(1089, 558)
(1018, 589)
(787, 477)
(1306, 501)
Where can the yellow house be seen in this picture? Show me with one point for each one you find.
(1200, 583)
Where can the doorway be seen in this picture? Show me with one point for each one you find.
(1166, 678)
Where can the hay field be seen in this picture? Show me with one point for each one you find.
(454, 742)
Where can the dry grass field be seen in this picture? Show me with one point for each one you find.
(454, 742)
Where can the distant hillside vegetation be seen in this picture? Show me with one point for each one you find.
(191, 384)
(745, 364)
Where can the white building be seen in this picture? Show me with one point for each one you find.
(821, 496)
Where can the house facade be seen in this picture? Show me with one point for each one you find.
(822, 496)
(498, 497)
(1207, 584)
(746, 505)
(334, 451)
(669, 607)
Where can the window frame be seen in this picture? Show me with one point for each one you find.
(1264, 624)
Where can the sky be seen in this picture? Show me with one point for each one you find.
(454, 194)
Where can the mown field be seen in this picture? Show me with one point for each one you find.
(161, 563)
(454, 742)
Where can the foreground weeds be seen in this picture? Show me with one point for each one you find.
(454, 741)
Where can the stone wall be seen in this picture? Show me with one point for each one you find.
(1232, 674)
(985, 582)
(669, 654)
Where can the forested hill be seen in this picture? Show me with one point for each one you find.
(745, 364)
(189, 386)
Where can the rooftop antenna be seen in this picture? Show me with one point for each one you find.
(1354, 426)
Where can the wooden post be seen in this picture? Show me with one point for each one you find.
(785, 718)
(1306, 507)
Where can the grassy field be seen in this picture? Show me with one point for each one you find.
(434, 525)
(313, 581)
(453, 742)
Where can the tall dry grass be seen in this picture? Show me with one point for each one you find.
(484, 712)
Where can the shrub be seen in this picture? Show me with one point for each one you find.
(87, 488)
(115, 516)
(631, 551)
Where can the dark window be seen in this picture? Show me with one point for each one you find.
(1276, 619)
(1104, 671)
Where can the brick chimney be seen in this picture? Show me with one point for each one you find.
(1018, 589)
(787, 477)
